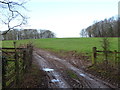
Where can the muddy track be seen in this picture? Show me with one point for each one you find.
(56, 70)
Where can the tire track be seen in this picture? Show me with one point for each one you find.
(87, 80)
(56, 80)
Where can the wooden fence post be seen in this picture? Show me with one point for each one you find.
(30, 52)
(27, 59)
(16, 66)
(115, 56)
(94, 53)
(24, 61)
(118, 69)
(29, 48)
(4, 62)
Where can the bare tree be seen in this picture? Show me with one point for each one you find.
(11, 14)
(18, 34)
(47, 34)
(83, 33)
(103, 28)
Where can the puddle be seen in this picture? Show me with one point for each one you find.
(56, 75)
(82, 74)
(55, 80)
(91, 79)
(85, 76)
(48, 69)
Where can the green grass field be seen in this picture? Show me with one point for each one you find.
(83, 45)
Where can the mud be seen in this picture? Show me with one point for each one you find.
(52, 73)
(55, 67)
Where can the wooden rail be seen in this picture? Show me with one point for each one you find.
(13, 48)
(95, 51)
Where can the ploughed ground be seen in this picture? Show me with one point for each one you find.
(61, 71)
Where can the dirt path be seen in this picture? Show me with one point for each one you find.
(56, 79)
(56, 69)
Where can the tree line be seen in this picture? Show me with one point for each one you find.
(103, 28)
(17, 34)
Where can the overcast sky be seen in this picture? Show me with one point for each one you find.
(67, 17)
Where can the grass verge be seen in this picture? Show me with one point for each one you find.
(106, 73)
(72, 74)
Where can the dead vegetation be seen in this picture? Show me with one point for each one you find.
(34, 78)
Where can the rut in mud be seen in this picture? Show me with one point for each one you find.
(56, 70)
